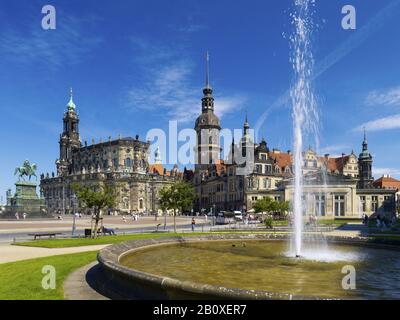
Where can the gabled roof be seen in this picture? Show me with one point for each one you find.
(386, 182)
(283, 160)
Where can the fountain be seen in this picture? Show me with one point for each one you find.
(304, 112)
(257, 266)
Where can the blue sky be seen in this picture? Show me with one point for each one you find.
(134, 65)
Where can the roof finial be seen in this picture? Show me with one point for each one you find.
(207, 70)
(71, 105)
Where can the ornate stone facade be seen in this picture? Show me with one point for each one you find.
(336, 187)
(123, 162)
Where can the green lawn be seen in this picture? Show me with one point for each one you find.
(22, 280)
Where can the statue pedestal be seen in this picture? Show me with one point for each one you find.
(25, 200)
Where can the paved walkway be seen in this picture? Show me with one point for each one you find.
(65, 225)
(76, 286)
(10, 253)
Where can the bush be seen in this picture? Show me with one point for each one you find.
(269, 223)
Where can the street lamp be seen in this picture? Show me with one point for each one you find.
(73, 214)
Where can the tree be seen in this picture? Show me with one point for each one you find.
(179, 196)
(263, 205)
(96, 198)
(269, 205)
(284, 207)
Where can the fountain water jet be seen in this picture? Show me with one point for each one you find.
(304, 112)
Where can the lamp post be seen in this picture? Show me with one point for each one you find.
(73, 214)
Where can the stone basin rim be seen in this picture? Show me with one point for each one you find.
(109, 260)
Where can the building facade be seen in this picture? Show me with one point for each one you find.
(335, 187)
(123, 163)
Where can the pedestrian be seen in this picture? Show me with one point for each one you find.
(378, 221)
(124, 219)
(24, 215)
(17, 215)
(206, 216)
(193, 224)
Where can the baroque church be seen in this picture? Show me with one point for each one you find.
(123, 162)
(335, 187)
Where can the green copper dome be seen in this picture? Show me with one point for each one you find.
(71, 105)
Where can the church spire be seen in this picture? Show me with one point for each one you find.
(246, 125)
(207, 70)
(365, 142)
(208, 99)
(71, 105)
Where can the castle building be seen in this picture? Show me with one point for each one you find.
(123, 163)
(335, 187)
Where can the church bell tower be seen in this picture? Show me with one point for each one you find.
(208, 127)
(69, 139)
(365, 166)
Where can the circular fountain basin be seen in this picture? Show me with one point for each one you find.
(247, 267)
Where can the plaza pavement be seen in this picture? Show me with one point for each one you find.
(10, 253)
(65, 225)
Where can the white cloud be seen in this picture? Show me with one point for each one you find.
(193, 28)
(388, 97)
(378, 172)
(386, 123)
(334, 150)
(167, 86)
(68, 44)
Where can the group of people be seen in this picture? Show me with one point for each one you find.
(382, 221)
(24, 215)
(134, 217)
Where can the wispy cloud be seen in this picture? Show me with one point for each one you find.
(193, 28)
(334, 150)
(378, 172)
(168, 88)
(388, 97)
(66, 45)
(386, 123)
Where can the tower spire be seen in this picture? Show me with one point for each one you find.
(71, 105)
(207, 70)
(365, 142)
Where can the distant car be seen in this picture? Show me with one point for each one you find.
(224, 217)
(238, 215)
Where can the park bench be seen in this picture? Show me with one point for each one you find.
(46, 234)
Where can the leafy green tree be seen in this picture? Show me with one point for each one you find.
(96, 198)
(269, 205)
(179, 196)
(263, 205)
(284, 207)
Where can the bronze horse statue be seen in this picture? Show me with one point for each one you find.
(27, 169)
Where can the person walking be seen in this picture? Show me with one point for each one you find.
(193, 224)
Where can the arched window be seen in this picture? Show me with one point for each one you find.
(141, 204)
(128, 162)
